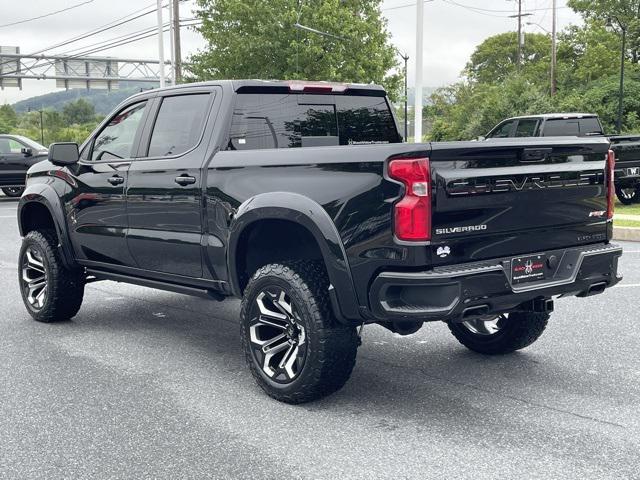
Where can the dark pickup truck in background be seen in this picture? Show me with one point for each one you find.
(301, 199)
(17, 155)
(625, 147)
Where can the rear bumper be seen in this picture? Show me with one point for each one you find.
(627, 175)
(484, 288)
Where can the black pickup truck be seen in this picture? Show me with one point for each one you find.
(301, 199)
(626, 148)
(17, 155)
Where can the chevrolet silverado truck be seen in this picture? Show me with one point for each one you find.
(17, 155)
(302, 200)
(626, 148)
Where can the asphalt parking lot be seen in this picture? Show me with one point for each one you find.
(149, 384)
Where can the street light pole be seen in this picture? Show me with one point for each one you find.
(41, 127)
(405, 57)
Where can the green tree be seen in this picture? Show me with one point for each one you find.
(601, 97)
(257, 39)
(585, 54)
(8, 119)
(625, 12)
(495, 59)
(79, 112)
(467, 110)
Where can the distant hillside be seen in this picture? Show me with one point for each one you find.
(103, 100)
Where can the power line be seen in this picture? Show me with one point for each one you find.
(113, 43)
(46, 14)
(471, 8)
(103, 28)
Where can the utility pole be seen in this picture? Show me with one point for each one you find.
(177, 73)
(160, 44)
(520, 38)
(554, 48)
(417, 137)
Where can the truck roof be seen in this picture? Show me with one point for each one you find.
(554, 116)
(307, 86)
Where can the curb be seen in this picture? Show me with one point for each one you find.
(631, 234)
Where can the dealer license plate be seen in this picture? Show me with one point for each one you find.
(528, 269)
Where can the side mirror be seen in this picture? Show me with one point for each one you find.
(62, 154)
(27, 152)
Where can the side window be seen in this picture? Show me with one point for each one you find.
(179, 124)
(526, 128)
(9, 145)
(116, 140)
(504, 130)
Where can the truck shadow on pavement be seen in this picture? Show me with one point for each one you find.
(426, 371)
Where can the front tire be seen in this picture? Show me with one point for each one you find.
(295, 348)
(50, 291)
(628, 195)
(501, 335)
(13, 192)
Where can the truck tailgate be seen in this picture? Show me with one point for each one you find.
(510, 197)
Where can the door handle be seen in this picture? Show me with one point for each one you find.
(115, 180)
(185, 180)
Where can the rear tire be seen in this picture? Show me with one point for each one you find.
(13, 192)
(505, 334)
(295, 348)
(50, 291)
(628, 195)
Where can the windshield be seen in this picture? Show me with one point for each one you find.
(30, 143)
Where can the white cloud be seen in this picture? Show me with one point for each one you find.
(451, 31)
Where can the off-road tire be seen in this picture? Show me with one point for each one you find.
(64, 287)
(331, 347)
(13, 192)
(520, 330)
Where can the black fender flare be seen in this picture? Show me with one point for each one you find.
(45, 195)
(309, 214)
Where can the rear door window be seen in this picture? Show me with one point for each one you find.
(526, 128)
(179, 124)
(292, 121)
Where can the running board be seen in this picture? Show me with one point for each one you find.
(158, 284)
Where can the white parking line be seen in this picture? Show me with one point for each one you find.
(627, 285)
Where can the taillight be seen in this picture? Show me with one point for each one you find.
(413, 211)
(610, 178)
